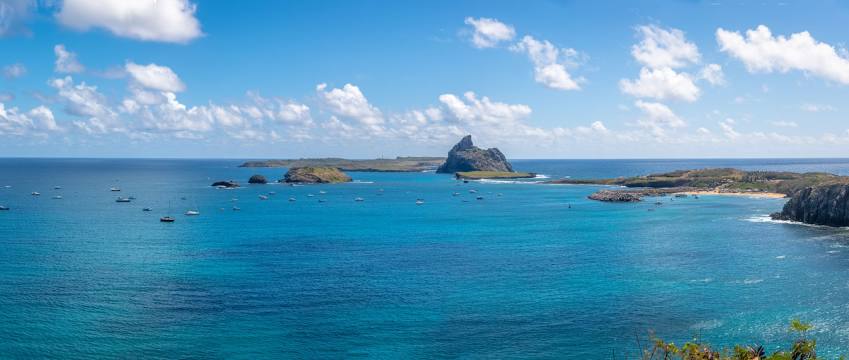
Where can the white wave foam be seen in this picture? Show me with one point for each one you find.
(706, 325)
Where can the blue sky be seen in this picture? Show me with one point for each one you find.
(542, 79)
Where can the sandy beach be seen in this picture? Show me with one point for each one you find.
(749, 194)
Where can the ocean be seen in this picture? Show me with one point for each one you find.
(529, 271)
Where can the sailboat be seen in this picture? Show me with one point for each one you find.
(167, 218)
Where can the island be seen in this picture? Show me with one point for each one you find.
(398, 164)
(465, 157)
(478, 175)
(257, 179)
(315, 175)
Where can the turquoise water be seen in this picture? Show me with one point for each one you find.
(538, 271)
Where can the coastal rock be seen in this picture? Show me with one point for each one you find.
(257, 179)
(315, 175)
(819, 205)
(615, 196)
(465, 156)
(227, 184)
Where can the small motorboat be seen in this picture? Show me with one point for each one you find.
(455, 194)
(479, 198)
(4, 208)
(182, 198)
(236, 208)
(292, 199)
(147, 209)
(310, 195)
(234, 199)
(359, 199)
(322, 200)
(658, 203)
(57, 188)
(499, 194)
(122, 200)
(114, 189)
(419, 201)
(167, 219)
(272, 193)
(263, 197)
(192, 213)
(8, 186)
(57, 197)
(35, 193)
(680, 195)
(465, 181)
(472, 191)
(322, 192)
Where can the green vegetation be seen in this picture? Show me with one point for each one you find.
(802, 348)
(399, 164)
(475, 175)
(724, 179)
(312, 174)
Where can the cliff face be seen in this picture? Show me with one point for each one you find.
(465, 156)
(819, 205)
(315, 175)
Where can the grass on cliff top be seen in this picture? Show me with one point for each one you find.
(326, 173)
(493, 175)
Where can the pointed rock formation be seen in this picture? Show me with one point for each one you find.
(465, 156)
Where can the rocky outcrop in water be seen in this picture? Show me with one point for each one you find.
(226, 184)
(257, 179)
(315, 175)
(614, 196)
(818, 205)
(465, 156)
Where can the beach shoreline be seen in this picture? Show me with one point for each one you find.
(770, 195)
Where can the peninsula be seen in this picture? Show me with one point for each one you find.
(398, 164)
(315, 175)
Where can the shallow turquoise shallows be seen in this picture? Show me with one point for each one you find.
(530, 271)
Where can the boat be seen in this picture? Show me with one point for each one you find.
(8, 186)
(122, 200)
(167, 219)
(114, 189)
(680, 195)
(658, 203)
(57, 188)
(472, 191)
(292, 199)
(192, 213)
(35, 193)
(236, 208)
(455, 194)
(359, 199)
(419, 201)
(147, 209)
(310, 195)
(234, 199)
(57, 197)
(499, 194)
(479, 198)
(272, 193)
(322, 200)
(4, 208)
(263, 197)
(322, 192)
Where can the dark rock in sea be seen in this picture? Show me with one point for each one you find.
(465, 156)
(257, 179)
(227, 184)
(615, 196)
(315, 175)
(819, 205)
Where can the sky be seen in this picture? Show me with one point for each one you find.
(364, 79)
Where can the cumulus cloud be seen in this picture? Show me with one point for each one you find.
(489, 32)
(350, 102)
(14, 71)
(790, 124)
(727, 127)
(37, 121)
(760, 51)
(150, 20)
(549, 62)
(472, 109)
(661, 84)
(809, 107)
(66, 61)
(155, 77)
(712, 73)
(658, 117)
(664, 48)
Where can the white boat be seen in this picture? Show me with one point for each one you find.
(472, 191)
(114, 189)
(122, 200)
(35, 193)
(57, 197)
(4, 208)
(310, 195)
(236, 208)
(419, 202)
(455, 194)
(192, 213)
(263, 197)
(322, 192)
(292, 199)
(359, 199)
(57, 188)
(147, 209)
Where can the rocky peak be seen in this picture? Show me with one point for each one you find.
(465, 156)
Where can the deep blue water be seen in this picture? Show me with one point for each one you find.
(536, 272)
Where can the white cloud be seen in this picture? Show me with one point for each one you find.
(37, 121)
(44, 118)
(809, 107)
(550, 63)
(149, 20)
(664, 48)
(81, 99)
(483, 110)
(14, 71)
(712, 73)
(350, 102)
(66, 61)
(790, 124)
(760, 51)
(155, 77)
(13, 15)
(658, 117)
(727, 127)
(661, 84)
(489, 32)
